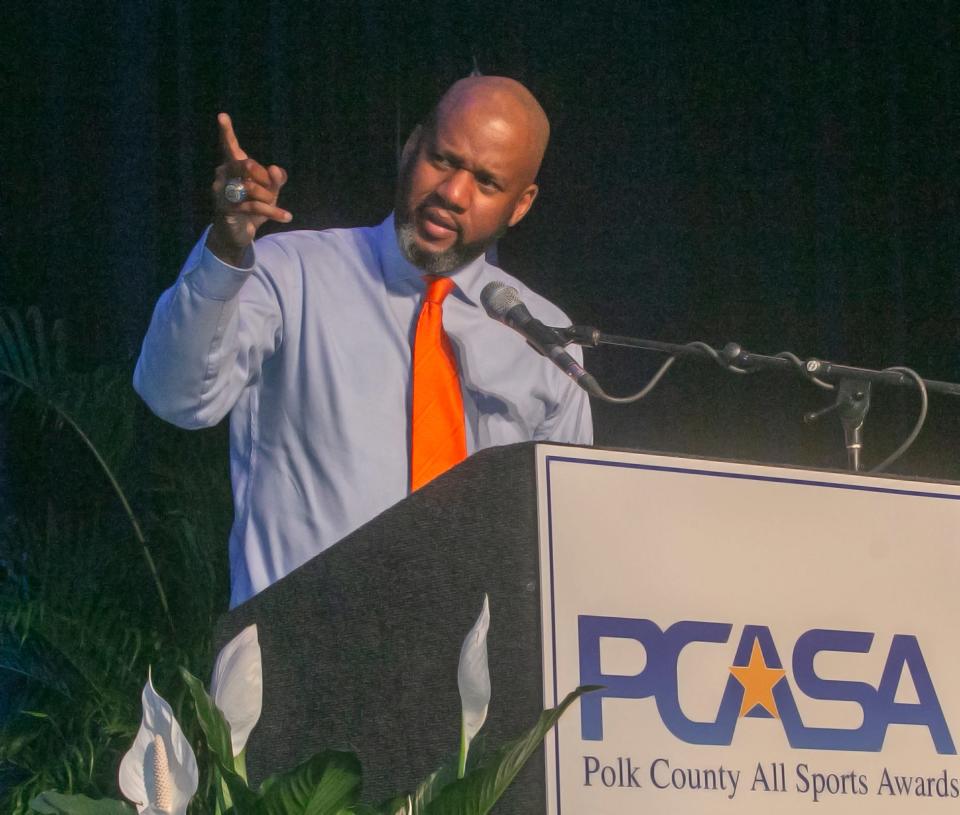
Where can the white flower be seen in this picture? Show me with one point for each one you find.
(237, 685)
(159, 772)
(473, 679)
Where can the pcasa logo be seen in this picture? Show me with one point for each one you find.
(757, 685)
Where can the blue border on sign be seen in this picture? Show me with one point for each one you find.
(803, 482)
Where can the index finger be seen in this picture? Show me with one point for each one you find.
(228, 139)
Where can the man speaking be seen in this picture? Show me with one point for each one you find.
(359, 364)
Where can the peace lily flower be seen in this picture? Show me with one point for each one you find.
(473, 679)
(237, 685)
(159, 772)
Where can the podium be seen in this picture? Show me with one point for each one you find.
(361, 644)
(768, 637)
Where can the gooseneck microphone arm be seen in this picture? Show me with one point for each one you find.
(736, 360)
(852, 384)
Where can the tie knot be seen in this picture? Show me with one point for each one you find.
(438, 287)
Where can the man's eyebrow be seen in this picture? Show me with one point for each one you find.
(480, 173)
(483, 174)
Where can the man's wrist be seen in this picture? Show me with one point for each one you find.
(217, 278)
(225, 249)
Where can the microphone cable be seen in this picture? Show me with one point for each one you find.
(600, 393)
(918, 425)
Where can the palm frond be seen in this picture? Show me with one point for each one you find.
(49, 385)
(77, 630)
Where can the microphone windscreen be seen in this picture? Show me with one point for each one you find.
(498, 298)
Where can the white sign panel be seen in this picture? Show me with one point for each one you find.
(770, 640)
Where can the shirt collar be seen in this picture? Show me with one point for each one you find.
(468, 280)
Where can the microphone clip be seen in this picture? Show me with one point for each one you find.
(585, 335)
(852, 403)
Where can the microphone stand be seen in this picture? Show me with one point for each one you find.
(853, 384)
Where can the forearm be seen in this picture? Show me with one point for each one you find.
(197, 352)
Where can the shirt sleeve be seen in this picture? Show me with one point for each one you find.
(210, 333)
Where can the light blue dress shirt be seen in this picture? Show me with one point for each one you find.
(309, 350)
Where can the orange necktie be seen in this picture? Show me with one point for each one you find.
(437, 438)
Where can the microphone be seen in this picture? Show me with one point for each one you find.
(503, 303)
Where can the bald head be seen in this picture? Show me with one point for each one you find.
(500, 99)
(467, 174)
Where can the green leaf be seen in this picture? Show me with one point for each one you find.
(325, 784)
(245, 800)
(430, 787)
(35, 318)
(395, 806)
(55, 803)
(214, 726)
(477, 792)
(26, 352)
(10, 351)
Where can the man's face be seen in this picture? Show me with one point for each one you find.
(463, 181)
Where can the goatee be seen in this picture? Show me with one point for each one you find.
(436, 263)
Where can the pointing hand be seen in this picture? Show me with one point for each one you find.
(235, 224)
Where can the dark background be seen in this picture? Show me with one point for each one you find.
(783, 174)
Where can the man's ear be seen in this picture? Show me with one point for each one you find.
(522, 207)
(410, 145)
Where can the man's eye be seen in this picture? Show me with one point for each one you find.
(488, 184)
(441, 161)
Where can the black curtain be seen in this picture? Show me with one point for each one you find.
(783, 174)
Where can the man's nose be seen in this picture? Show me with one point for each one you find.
(457, 190)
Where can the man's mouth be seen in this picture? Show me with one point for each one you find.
(437, 224)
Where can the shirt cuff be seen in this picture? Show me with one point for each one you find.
(217, 280)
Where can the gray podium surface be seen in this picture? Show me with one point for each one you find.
(361, 644)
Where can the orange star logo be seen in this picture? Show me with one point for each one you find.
(758, 681)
